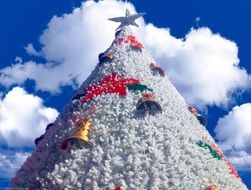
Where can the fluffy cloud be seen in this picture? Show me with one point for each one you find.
(31, 50)
(23, 117)
(9, 164)
(70, 45)
(203, 66)
(234, 133)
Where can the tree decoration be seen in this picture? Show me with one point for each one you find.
(130, 39)
(232, 170)
(202, 119)
(82, 123)
(229, 165)
(112, 84)
(148, 97)
(105, 57)
(148, 105)
(117, 188)
(220, 153)
(156, 67)
(193, 110)
(117, 33)
(134, 42)
(78, 96)
(212, 187)
(139, 87)
(203, 144)
(37, 140)
(79, 134)
(119, 149)
(128, 19)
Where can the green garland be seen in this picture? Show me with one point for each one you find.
(203, 144)
(139, 87)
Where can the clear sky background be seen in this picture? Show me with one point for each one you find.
(49, 47)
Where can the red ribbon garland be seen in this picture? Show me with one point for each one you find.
(231, 168)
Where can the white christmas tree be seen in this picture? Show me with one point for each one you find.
(127, 127)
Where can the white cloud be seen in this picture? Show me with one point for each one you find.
(31, 50)
(234, 133)
(203, 66)
(71, 45)
(47, 76)
(23, 117)
(9, 164)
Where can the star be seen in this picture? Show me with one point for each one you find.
(128, 19)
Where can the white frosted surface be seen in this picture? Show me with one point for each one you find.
(155, 152)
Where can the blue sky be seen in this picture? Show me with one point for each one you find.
(205, 43)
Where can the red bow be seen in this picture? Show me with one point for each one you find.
(117, 188)
(113, 84)
(129, 39)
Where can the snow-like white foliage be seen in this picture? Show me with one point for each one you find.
(151, 152)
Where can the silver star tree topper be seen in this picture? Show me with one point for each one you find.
(128, 19)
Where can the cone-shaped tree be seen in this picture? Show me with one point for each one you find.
(127, 127)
